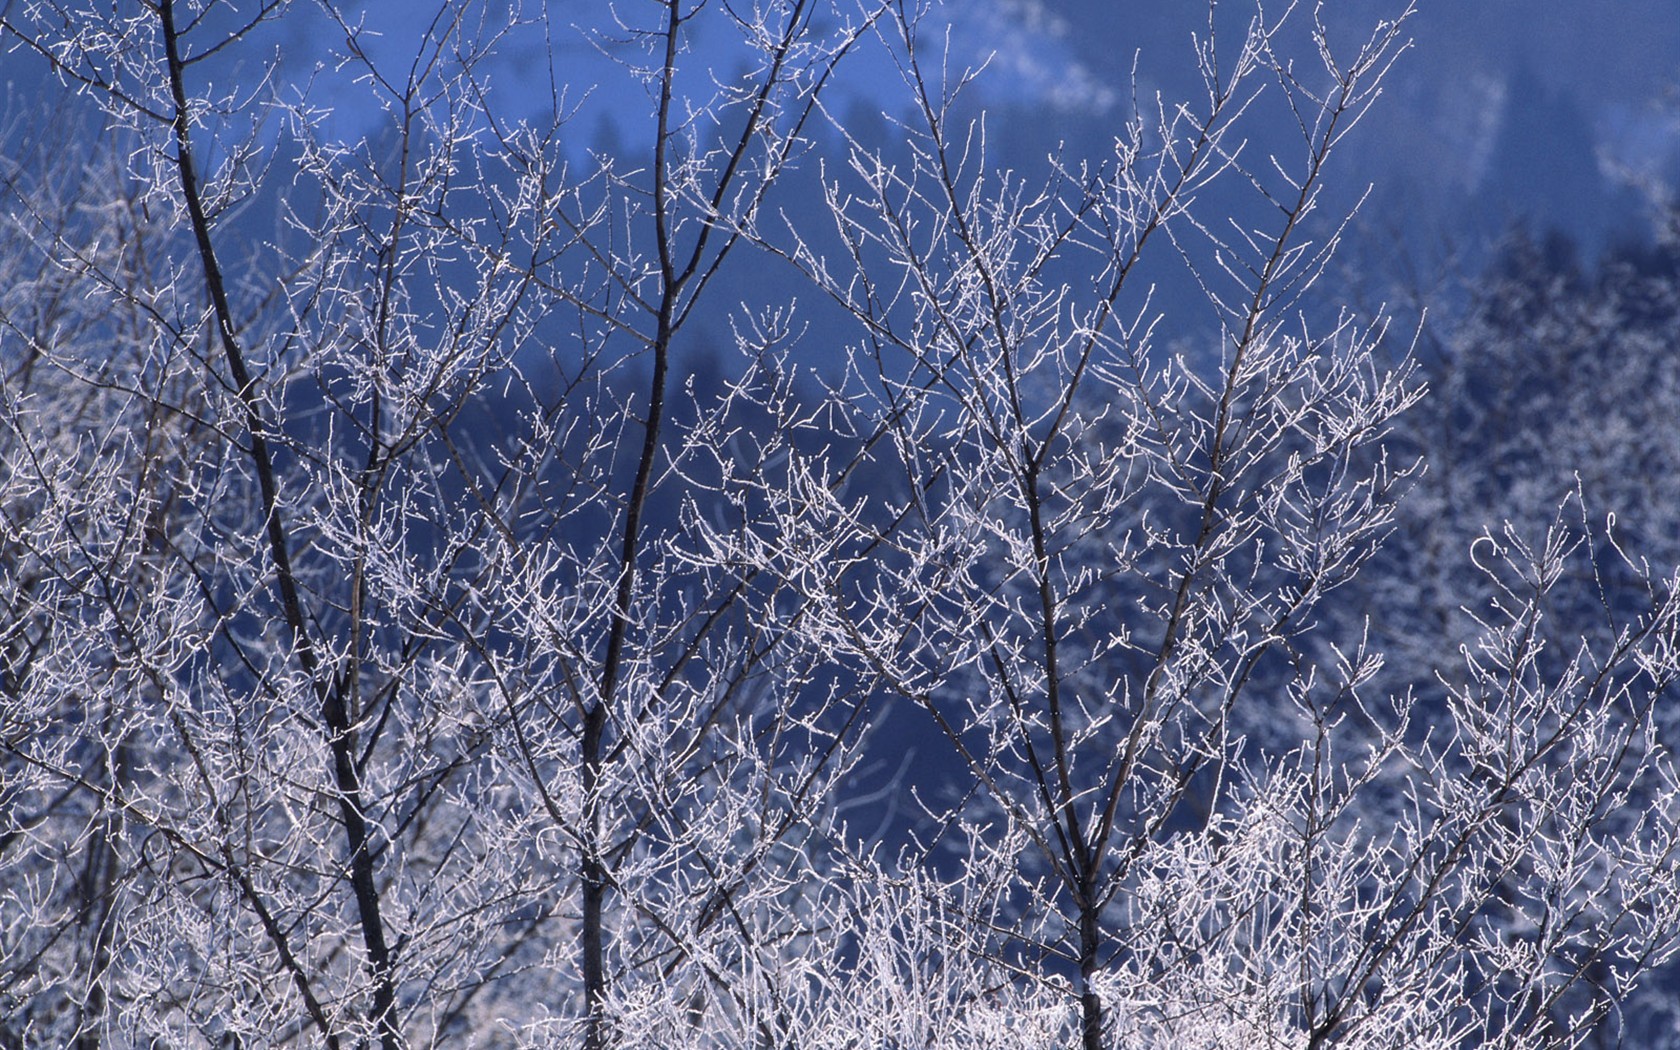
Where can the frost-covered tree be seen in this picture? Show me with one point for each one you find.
(1551, 386)
(409, 639)
(1109, 569)
(353, 694)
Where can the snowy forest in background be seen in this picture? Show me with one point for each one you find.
(724, 523)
